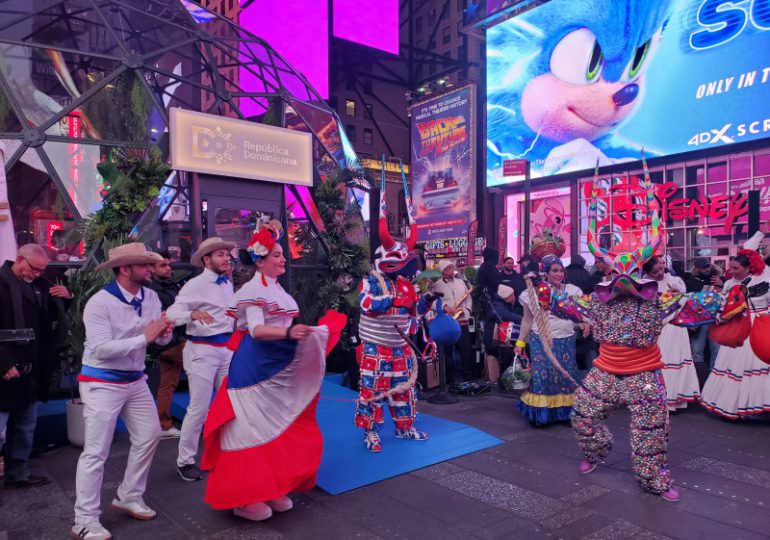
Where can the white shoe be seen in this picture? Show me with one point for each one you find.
(136, 509)
(170, 433)
(91, 531)
(281, 504)
(254, 512)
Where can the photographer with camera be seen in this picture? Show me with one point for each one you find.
(702, 277)
(33, 326)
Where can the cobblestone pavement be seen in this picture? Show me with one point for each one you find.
(526, 488)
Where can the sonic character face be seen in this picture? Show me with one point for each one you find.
(592, 65)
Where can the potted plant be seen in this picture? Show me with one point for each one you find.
(546, 243)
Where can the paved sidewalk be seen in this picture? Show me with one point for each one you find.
(527, 488)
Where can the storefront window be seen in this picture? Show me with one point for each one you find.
(675, 175)
(740, 167)
(762, 165)
(694, 175)
(717, 172)
(40, 215)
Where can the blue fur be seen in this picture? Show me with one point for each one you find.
(620, 27)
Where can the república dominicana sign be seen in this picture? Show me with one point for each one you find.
(206, 143)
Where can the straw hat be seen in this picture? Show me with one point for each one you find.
(128, 254)
(210, 245)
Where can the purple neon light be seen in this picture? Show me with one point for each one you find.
(373, 23)
(299, 31)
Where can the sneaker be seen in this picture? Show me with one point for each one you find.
(136, 509)
(254, 512)
(281, 504)
(671, 495)
(372, 441)
(91, 531)
(31, 481)
(411, 433)
(170, 433)
(587, 467)
(189, 473)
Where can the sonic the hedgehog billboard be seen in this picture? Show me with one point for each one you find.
(571, 81)
(443, 166)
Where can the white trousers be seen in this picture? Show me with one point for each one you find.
(205, 366)
(104, 402)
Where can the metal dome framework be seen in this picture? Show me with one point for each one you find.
(79, 78)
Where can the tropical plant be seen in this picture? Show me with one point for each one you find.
(133, 182)
(336, 286)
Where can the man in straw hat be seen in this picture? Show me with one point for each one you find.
(120, 321)
(201, 306)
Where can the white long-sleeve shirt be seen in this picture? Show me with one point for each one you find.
(115, 331)
(453, 292)
(202, 293)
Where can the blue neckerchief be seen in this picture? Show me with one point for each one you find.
(114, 290)
(222, 278)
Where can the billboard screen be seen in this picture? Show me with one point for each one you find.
(443, 165)
(373, 23)
(572, 82)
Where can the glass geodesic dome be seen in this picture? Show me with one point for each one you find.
(82, 78)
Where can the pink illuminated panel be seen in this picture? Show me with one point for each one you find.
(373, 23)
(299, 31)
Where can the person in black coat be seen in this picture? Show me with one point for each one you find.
(488, 276)
(501, 310)
(577, 274)
(27, 301)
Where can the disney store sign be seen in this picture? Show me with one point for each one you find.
(629, 209)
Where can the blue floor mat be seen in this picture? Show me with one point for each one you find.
(347, 465)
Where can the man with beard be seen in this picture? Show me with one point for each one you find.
(170, 356)
(201, 305)
(120, 320)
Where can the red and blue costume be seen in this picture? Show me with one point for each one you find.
(389, 308)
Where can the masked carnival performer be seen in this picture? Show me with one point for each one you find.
(389, 306)
(626, 315)
(261, 438)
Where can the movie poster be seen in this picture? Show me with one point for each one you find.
(570, 82)
(443, 165)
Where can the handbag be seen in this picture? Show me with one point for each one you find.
(504, 333)
(760, 337)
(733, 332)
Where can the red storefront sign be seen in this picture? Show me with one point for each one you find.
(629, 210)
(515, 167)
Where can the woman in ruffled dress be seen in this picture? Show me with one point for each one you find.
(679, 373)
(549, 398)
(261, 438)
(739, 384)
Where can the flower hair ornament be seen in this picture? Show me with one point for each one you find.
(264, 239)
(756, 262)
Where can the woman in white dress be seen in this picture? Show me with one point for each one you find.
(679, 373)
(739, 384)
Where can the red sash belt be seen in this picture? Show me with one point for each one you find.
(622, 360)
(235, 340)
